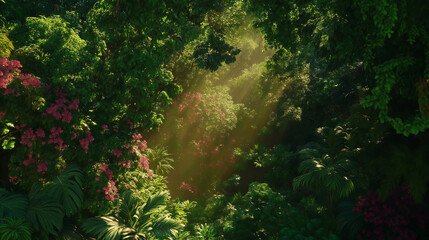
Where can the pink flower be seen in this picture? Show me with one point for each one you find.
(40, 133)
(105, 126)
(74, 105)
(2, 114)
(42, 167)
(125, 164)
(67, 116)
(97, 179)
(27, 137)
(13, 179)
(116, 152)
(103, 167)
(109, 174)
(144, 163)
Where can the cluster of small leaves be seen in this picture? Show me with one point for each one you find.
(212, 53)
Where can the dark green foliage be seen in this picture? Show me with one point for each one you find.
(14, 229)
(212, 53)
(45, 206)
(45, 214)
(67, 189)
(12, 204)
(386, 37)
(349, 223)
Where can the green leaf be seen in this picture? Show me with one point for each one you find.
(45, 213)
(12, 204)
(67, 189)
(8, 144)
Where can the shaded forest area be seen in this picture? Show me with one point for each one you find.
(200, 119)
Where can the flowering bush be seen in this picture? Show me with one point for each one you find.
(399, 217)
(52, 135)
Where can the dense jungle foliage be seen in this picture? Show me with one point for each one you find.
(202, 119)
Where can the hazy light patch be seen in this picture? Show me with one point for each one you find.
(217, 112)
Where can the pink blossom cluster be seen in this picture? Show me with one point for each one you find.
(60, 104)
(192, 99)
(13, 178)
(29, 160)
(117, 152)
(84, 143)
(28, 79)
(105, 168)
(2, 114)
(186, 186)
(399, 217)
(140, 145)
(144, 163)
(55, 138)
(7, 70)
(203, 145)
(42, 167)
(125, 164)
(110, 190)
(27, 137)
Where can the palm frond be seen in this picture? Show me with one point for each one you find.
(67, 189)
(15, 229)
(106, 228)
(163, 228)
(12, 204)
(328, 173)
(155, 202)
(129, 208)
(161, 159)
(45, 213)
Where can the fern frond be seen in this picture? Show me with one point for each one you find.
(15, 229)
(12, 204)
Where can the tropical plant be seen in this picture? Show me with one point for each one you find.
(327, 168)
(12, 204)
(15, 229)
(205, 232)
(134, 220)
(45, 206)
(160, 159)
